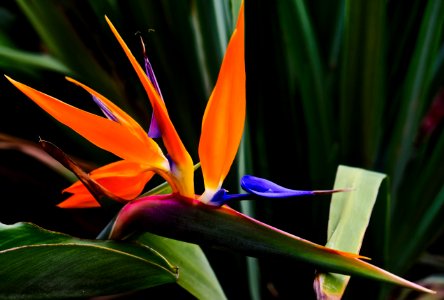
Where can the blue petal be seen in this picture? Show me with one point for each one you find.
(258, 188)
(153, 131)
(222, 197)
(265, 188)
(105, 109)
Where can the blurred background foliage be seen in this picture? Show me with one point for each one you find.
(328, 83)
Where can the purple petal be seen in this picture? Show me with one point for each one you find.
(153, 131)
(265, 188)
(105, 109)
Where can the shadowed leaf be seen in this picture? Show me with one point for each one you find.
(39, 264)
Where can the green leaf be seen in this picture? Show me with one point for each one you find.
(195, 273)
(363, 56)
(306, 70)
(40, 264)
(349, 217)
(51, 22)
(422, 204)
(415, 92)
(14, 58)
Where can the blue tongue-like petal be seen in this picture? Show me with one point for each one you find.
(259, 188)
(265, 188)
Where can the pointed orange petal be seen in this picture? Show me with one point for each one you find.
(122, 168)
(122, 178)
(104, 133)
(79, 200)
(224, 117)
(122, 117)
(175, 147)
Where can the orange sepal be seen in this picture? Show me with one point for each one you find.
(79, 200)
(224, 117)
(122, 117)
(104, 133)
(183, 164)
(124, 179)
(157, 158)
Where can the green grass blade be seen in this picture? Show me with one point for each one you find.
(54, 29)
(416, 89)
(425, 207)
(363, 93)
(305, 68)
(349, 218)
(14, 58)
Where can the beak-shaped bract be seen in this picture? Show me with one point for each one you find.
(224, 117)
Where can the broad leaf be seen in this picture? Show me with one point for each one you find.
(40, 264)
(349, 217)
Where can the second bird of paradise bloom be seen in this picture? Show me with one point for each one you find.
(183, 214)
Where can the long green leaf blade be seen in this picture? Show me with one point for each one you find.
(14, 58)
(53, 26)
(305, 68)
(363, 56)
(416, 88)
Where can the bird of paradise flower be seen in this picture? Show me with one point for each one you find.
(183, 214)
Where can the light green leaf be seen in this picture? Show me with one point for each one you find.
(349, 217)
(40, 264)
(195, 273)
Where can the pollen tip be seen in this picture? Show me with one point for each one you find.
(143, 45)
